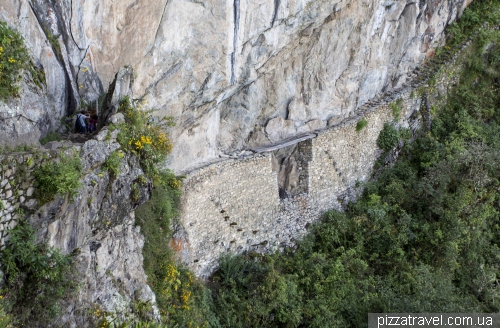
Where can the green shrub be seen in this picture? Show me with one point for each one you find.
(145, 136)
(253, 291)
(477, 14)
(5, 317)
(396, 108)
(37, 277)
(19, 148)
(13, 59)
(113, 162)
(58, 178)
(361, 124)
(51, 136)
(135, 192)
(388, 137)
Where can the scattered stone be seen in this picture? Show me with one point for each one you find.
(117, 118)
(102, 135)
(53, 145)
(31, 204)
(30, 191)
(335, 120)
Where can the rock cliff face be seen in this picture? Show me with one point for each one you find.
(97, 226)
(233, 73)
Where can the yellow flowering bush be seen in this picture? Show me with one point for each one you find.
(144, 135)
(168, 179)
(5, 318)
(100, 316)
(182, 301)
(176, 291)
(13, 59)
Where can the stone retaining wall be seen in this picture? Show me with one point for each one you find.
(229, 207)
(234, 205)
(342, 156)
(17, 187)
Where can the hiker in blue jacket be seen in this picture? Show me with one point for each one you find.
(80, 124)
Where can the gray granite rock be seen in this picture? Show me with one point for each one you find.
(221, 76)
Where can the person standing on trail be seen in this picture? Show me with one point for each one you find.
(80, 123)
(92, 121)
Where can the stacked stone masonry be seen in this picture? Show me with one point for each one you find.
(17, 188)
(342, 156)
(234, 205)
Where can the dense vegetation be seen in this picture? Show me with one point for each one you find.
(61, 176)
(37, 278)
(14, 59)
(145, 136)
(422, 238)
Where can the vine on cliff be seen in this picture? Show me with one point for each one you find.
(13, 58)
(61, 177)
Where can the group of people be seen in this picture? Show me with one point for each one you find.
(86, 122)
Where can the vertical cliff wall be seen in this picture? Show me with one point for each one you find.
(38, 108)
(225, 70)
